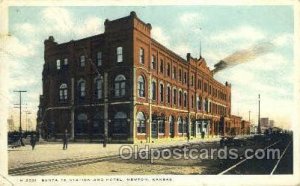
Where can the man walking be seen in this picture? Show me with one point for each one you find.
(65, 140)
(32, 141)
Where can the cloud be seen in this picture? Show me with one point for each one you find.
(159, 34)
(245, 33)
(91, 26)
(13, 47)
(284, 40)
(190, 18)
(182, 49)
(57, 19)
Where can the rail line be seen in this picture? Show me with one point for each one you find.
(251, 157)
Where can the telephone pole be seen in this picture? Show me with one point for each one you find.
(258, 126)
(20, 106)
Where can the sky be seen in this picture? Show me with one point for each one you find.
(221, 30)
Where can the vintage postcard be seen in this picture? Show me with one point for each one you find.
(149, 93)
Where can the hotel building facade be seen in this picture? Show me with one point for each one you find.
(126, 86)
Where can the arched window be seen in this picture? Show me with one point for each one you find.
(120, 54)
(180, 125)
(174, 96)
(161, 93)
(153, 90)
(120, 85)
(169, 94)
(120, 123)
(81, 86)
(141, 86)
(99, 87)
(161, 125)
(199, 101)
(141, 122)
(63, 92)
(180, 98)
(81, 126)
(185, 99)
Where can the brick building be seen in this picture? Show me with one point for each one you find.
(125, 85)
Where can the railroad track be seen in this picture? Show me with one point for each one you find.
(39, 168)
(43, 167)
(252, 165)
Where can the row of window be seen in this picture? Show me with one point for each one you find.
(120, 124)
(160, 124)
(182, 76)
(201, 104)
(119, 88)
(98, 60)
(120, 91)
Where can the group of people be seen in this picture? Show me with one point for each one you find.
(33, 140)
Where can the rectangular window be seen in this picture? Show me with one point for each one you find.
(174, 73)
(168, 69)
(185, 78)
(184, 99)
(180, 75)
(99, 58)
(192, 81)
(161, 126)
(120, 54)
(142, 56)
(58, 64)
(161, 66)
(153, 62)
(141, 127)
(180, 98)
(82, 61)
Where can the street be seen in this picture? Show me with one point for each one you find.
(93, 159)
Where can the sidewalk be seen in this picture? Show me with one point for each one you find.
(21, 156)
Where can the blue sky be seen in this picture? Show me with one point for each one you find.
(222, 30)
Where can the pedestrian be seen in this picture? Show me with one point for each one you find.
(21, 139)
(32, 141)
(65, 140)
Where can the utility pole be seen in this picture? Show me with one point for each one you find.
(258, 126)
(20, 107)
